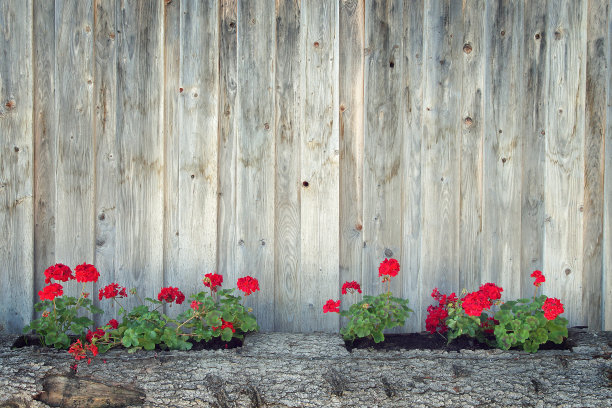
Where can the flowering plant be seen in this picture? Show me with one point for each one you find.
(60, 314)
(523, 322)
(372, 315)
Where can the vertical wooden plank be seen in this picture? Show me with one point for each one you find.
(411, 191)
(607, 215)
(198, 112)
(228, 60)
(105, 98)
(255, 153)
(139, 241)
(440, 147)
(287, 185)
(16, 166)
(383, 142)
(45, 138)
(535, 88)
(502, 148)
(351, 85)
(74, 232)
(319, 168)
(171, 131)
(597, 74)
(564, 156)
(472, 130)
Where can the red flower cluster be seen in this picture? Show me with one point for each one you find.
(351, 286)
(59, 272)
(552, 308)
(489, 325)
(389, 267)
(195, 305)
(212, 280)
(331, 306)
(51, 291)
(170, 295)
(111, 291)
(113, 323)
(539, 278)
(247, 284)
(474, 303)
(98, 334)
(436, 318)
(86, 273)
(225, 324)
(79, 352)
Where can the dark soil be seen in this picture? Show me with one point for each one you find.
(428, 341)
(215, 344)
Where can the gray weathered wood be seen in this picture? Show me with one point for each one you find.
(287, 178)
(105, 122)
(320, 151)
(607, 214)
(16, 166)
(595, 128)
(140, 205)
(535, 85)
(564, 170)
(255, 154)
(502, 162)
(383, 143)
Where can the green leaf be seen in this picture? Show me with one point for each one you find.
(226, 334)
(378, 336)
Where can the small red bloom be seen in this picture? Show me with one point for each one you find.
(436, 318)
(389, 267)
(539, 278)
(331, 306)
(489, 325)
(248, 285)
(351, 286)
(491, 291)
(51, 291)
(212, 280)
(111, 291)
(113, 323)
(98, 334)
(225, 324)
(86, 273)
(76, 349)
(552, 308)
(58, 272)
(85, 295)
(195, 305)
(45, 313)
(170, 295)
(474, 303)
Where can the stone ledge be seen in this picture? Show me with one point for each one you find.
(315, 370)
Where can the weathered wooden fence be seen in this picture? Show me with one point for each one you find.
(302, 142)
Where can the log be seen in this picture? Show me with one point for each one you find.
(313, 370)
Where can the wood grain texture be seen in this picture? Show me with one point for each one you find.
(104, 126)
(287, 163)
(320, 152)
(502, 148)
(412, 116)
(535, 86)
(45, 138)
(440, 148)
(564, 169)
(472, 141)
(607, 194)
(74, 99)
(351, 133)
(383, 142)
(255, 154)
(16, 166)
(197, 144)
(139, 256)
(595, 127)
(226, 219)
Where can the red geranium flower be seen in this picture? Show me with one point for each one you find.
(86, 273)
(113, 323)
(474, 303)
(491, 291)
(212, 280)
(435, 320)
(51, 291)
(98, 334)
(170, 295)
(539, 278)
(111, 291)
(76, 349)
(195, 305)
(331, 306)
(389, 267)
(552, 308)
(248, 285)
(351, 286)
(225, 324)
(59, 272)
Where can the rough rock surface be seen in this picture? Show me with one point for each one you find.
(315, 370)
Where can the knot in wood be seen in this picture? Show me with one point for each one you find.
(467, 48)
